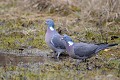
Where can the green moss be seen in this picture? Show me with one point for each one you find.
(114, 33)
(117, 20)
(75, 8)
(27, 29)
(113, 64)
(15, 36)
(89, 34)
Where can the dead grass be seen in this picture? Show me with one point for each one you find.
(22, 25)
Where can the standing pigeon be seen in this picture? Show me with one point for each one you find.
(83, 50)
(53, 39)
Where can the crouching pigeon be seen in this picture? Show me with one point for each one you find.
(53, 39)
(82, 50)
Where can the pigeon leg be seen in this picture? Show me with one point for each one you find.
(58, 55)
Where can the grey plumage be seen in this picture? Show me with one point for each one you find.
(52, 38)
(56, 42)
(104, 46)
(83, 50)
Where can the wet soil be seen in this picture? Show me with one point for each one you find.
(12, 59)
(15, 57)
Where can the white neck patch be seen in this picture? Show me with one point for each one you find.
(51, 28)
(70, 43)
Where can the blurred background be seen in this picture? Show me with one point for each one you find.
(24, 53)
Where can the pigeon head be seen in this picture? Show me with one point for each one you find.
(67, 39)
(50, 23)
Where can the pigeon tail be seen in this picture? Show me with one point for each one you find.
(104, 46)
(110, 45)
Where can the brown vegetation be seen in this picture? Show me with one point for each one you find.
(22, 27)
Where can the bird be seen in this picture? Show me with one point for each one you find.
(83, 50)
(53, 39)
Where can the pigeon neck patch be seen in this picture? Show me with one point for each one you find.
(51, 28)
(70, 43)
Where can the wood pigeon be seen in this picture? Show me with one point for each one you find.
(82, 50)
(53, 39)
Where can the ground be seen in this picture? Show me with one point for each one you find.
(24, 54)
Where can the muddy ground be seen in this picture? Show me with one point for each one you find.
(24, 54)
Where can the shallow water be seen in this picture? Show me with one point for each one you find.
(12, 59)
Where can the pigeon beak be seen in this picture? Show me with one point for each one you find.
(45, 22)
(61, 39)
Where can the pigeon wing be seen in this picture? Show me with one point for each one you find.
(84, 49)
(56, 42)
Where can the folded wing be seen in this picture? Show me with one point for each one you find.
(56, 42)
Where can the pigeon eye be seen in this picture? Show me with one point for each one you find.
(47, 21)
